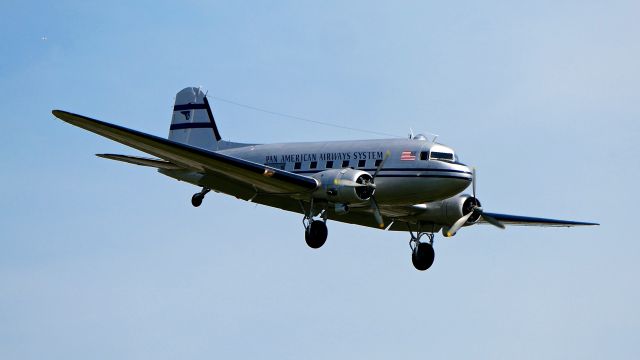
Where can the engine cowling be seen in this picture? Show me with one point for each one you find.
(347, 186)
(447, 212)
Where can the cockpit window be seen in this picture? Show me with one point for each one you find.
(436, 155)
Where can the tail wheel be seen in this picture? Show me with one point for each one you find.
(196, 199)
(316, 234)
(423, 256)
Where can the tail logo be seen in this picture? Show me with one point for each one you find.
(187, 114)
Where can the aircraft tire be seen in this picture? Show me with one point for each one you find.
(423, 256)
(316, 234)
(196, 200)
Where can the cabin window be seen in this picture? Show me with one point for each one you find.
(424, 155)
(441, 156)
(329, 164)
(345, 163)
(313, 165)
(297, 165)
(362, 163)
(378, 162)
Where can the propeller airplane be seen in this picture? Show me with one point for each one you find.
(412, 184)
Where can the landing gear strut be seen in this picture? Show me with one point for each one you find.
(422, 254)
(196, 199)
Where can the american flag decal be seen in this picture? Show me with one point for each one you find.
(408, 155)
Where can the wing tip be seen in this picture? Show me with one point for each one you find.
(61, 114)
(583, 223)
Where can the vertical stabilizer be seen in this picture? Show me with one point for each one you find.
(192, 122)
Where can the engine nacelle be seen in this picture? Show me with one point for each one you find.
(447, 212)
(344, 186)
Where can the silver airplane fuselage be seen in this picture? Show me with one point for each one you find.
(402, 180)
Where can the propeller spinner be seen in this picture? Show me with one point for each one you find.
(476, 210)
(371, 186)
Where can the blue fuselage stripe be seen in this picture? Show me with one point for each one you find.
(413, 176)
(414, 173)
(395, 169)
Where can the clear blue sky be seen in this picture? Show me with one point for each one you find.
(104, 260)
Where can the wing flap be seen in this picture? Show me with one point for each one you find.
(262, 177)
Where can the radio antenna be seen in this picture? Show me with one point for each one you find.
(299, 118)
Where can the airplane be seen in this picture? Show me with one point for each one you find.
(409, 184)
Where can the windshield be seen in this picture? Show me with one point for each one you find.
(438, 155)
(442, 153)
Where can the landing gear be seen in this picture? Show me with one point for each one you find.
(315, 231)
(316, 234)
(422, 254)
(196, 199)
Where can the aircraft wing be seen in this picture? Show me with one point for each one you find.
(263, 177)
(517, 220)
(402, 214)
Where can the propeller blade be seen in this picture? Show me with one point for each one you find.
(473, 181)
(492, 220)
(458, 224)
(386, 156)
(376, 213)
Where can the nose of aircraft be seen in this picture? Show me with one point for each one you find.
(467, 170)
(461, 176)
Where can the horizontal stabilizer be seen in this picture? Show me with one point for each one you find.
(156, 163)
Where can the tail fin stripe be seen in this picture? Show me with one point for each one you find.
(189, 107)
(196, 125)
(213, 121)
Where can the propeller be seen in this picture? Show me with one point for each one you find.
(370, 184)
(473, 181)
(386, 156)
(374, 203)
(476, 209)
(376, 213)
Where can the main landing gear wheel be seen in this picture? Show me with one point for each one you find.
(196, 199)
(422, 254)
(316, 234)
